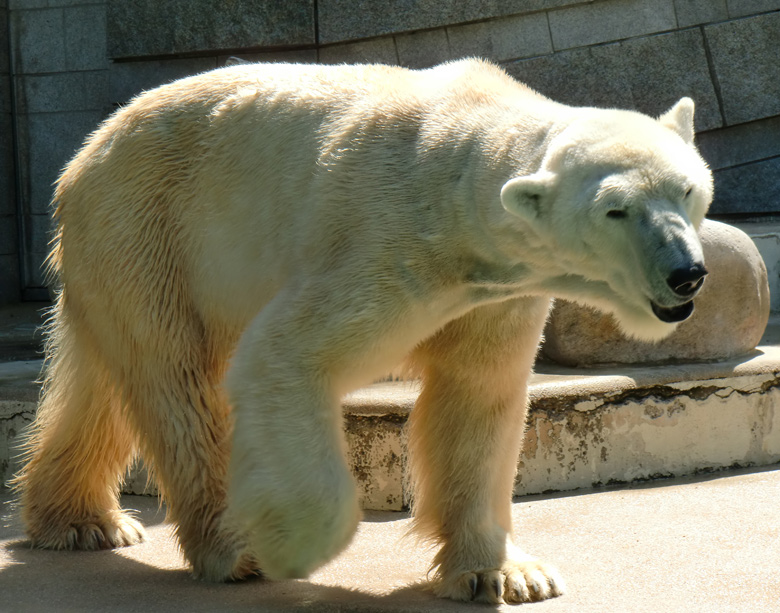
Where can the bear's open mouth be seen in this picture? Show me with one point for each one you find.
(673, 314)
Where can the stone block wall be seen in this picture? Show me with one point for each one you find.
(9, 246)
(75, 60)
(60, 72)
(151, 27)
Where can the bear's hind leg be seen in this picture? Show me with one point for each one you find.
(76, 452)
(184, 426)
(464, 438)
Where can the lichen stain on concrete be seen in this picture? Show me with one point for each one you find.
(769, 430)
(375, 456)
(665, 413)
(530, 444)
(16, 417)
(675, 406)
(549, 438)
(587, 406)
(583, 425)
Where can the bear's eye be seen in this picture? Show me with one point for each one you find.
(617, 213)
(688, 192)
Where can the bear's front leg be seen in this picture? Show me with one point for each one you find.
(291, 492)
(464, 440)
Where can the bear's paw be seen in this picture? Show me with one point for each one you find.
(512, 583)
(111, 530)
(292, 543)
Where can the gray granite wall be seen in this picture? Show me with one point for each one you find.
(76, 59)
(9, 264)
(60, 72)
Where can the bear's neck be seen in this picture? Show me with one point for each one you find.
(464, 171)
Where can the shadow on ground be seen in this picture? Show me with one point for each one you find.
(36, 580)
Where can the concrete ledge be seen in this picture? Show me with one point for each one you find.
(585, 428)
(603, 425)
(619, 425)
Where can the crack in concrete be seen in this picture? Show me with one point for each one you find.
(558, 406)
(27, 418)
(26, 415)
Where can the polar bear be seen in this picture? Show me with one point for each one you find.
(237, 250)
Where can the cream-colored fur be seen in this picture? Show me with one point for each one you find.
(239, 249)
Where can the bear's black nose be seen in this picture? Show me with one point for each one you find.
(686, 282)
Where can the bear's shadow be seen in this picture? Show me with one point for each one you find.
(35, 579)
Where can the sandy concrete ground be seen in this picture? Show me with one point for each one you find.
(706, 544)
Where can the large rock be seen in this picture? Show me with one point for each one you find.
(731, 314)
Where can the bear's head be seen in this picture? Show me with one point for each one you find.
(615, 206)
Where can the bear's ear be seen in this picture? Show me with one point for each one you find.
(526, 196)
(679, 118)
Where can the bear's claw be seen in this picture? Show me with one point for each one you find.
(112, 529)
(513, 583)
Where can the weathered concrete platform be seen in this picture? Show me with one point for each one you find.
(601, 426)
(707, 544)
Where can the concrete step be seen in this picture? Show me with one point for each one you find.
(603, 426)
(585, 428)
(693, 545)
